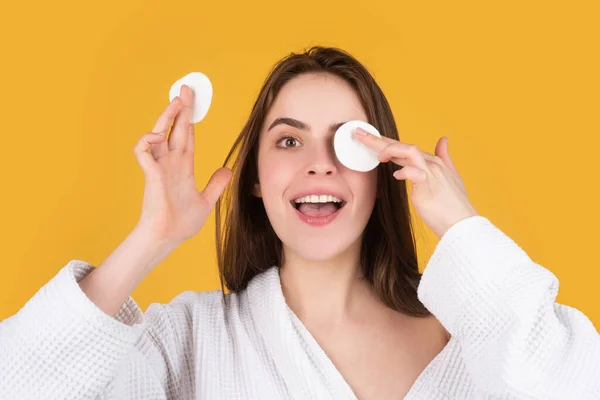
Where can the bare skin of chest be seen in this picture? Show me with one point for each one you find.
(381, 358)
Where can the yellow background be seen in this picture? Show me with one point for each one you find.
(513, 84)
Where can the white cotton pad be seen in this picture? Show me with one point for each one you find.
(352, 153)
(202, 88)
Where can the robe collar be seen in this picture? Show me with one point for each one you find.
(305, 368)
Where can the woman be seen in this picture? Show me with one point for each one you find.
(326, 298)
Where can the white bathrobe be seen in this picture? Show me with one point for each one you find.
(510, 340)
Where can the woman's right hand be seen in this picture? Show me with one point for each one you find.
(173, 209)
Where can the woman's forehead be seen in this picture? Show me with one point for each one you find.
(311, 88)
(316, 101)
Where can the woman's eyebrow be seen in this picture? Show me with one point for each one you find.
(291, 122)
(299, 124)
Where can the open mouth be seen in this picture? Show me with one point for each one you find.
(318, 206)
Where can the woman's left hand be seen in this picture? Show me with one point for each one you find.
(438, 192)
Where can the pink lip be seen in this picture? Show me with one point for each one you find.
(317, 221)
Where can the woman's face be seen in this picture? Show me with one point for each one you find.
(296, 159)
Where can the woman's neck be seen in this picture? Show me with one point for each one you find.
(326, 293)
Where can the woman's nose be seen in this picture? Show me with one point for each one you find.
(323, 161)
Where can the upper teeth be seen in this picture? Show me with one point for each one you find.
(324, 198)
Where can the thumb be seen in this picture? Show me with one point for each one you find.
(442, 151)
(216, 185)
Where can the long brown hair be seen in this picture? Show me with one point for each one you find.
(246, 242)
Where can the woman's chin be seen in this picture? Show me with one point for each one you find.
(320, 249)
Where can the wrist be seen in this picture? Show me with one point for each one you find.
(148, 237)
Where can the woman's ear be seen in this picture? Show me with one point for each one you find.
(256, 192)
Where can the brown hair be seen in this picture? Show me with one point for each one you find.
(247, 244)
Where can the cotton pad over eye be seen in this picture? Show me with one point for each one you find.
(352, 153)
(202, 88)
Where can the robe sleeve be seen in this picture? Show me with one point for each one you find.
(516, 341)
(60, 345)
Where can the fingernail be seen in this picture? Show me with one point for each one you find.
(361, 132)
(189, 89)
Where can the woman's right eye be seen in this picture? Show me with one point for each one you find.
(288, 142)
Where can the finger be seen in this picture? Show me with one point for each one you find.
(166, 118)
(428, 156)
(159, 150)
(406, 161)
(189, 147)
(441, 150)
(413, 174)
(163, 124)
(371, 141)
(143, 155)
(396, 160)
(216, 185)
(389, 140)
(384, 138)
(399, 150)
(179, 132)
(188, 154)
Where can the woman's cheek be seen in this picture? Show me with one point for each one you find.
(276, 176)
(365, 186)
